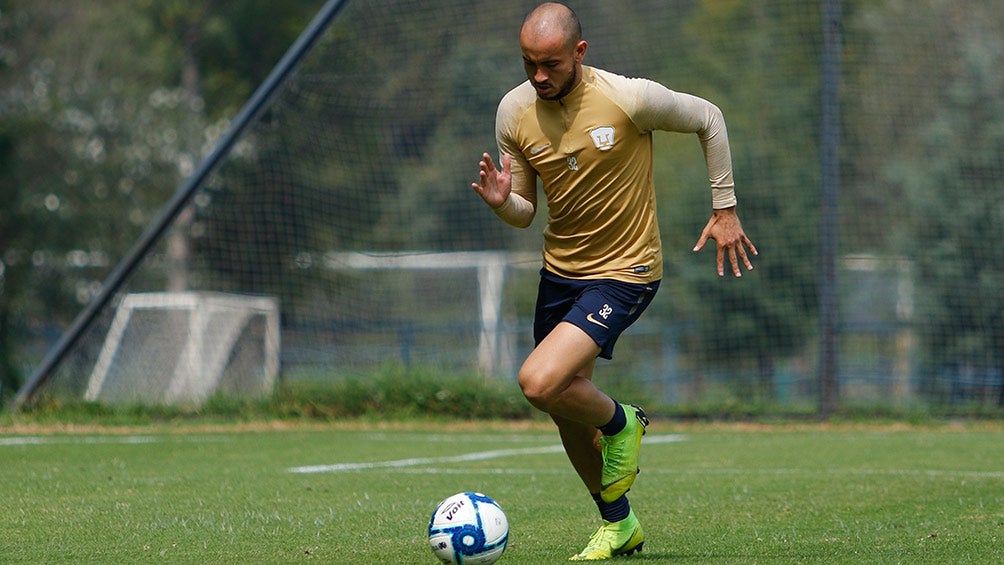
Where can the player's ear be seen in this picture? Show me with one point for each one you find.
(580, 51)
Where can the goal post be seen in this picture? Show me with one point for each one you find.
(494, 355)
(183, 347)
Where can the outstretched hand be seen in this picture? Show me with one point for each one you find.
(725, 228)
(495, 185)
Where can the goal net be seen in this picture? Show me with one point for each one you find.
(348, 205)
(183, 347)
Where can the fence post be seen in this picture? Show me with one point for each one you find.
(829, 164)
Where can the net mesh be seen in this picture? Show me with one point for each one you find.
(349, 202)
(184, 347)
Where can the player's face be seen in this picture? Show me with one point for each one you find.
(552, 65)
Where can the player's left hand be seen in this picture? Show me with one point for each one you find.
(725, 228)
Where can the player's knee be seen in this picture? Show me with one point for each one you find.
(538, 389)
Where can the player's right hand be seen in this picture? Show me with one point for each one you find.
(495, 185)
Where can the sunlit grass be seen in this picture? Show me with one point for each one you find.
(722, 493)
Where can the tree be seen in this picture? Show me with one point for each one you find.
(97, 128)
(769, 101)
(956, 214)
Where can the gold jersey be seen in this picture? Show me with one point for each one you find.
(592, 151)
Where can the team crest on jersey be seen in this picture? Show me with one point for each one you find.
(603, 137)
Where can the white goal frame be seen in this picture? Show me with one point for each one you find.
(493, 354)
(200, 366)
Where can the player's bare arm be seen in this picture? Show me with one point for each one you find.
(495, 185)
(725, 228)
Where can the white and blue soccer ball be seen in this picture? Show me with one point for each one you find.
(468, 528)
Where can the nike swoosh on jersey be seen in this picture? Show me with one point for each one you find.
(595, 321)
(536, 150)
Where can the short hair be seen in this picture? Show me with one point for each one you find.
(560, 15)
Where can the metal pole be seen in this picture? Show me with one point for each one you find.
(248, 115)
(829, 332)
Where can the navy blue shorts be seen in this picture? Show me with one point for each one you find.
(602, 308)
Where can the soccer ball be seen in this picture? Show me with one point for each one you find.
(468, 528)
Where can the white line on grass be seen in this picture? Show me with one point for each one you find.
(474, 456)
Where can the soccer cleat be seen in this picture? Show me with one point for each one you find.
(620, 454)
(613, 539)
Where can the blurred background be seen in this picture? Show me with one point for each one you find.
(339, 236)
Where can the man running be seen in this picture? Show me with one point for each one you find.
(587, 134)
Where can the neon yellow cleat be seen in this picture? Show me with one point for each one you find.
(620, 455)
(613, 539)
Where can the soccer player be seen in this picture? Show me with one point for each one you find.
(587, 134)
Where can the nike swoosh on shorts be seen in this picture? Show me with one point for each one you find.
(595, 321)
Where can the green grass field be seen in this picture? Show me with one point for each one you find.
(707, 493)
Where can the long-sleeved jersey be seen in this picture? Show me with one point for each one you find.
(593, 152)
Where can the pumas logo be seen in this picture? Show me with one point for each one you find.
(603, 137)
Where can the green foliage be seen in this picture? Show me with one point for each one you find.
(393, 393)
(106, 107)
(770, 313)
(396, 394)
(103, 123)
(399, 393)
(953, 195)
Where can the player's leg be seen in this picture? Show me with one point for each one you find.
(556, 377)
(581, 443)
(575, 322)
(576, 406)
(620, 532)
(582, 448)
